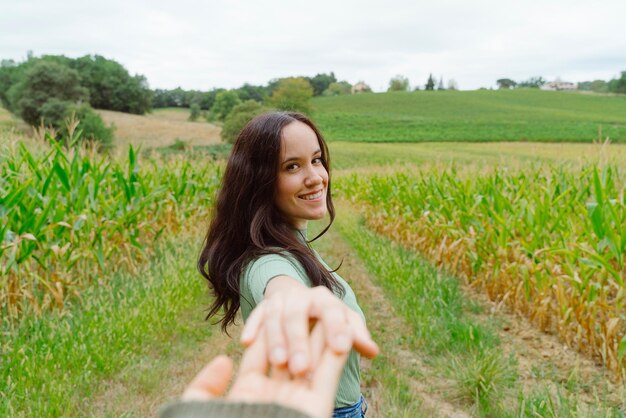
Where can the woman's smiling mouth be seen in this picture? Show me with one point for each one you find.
(312, 196)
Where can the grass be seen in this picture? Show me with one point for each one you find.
(364, 157)
(516, 115)
(160, 129)
(53, 366)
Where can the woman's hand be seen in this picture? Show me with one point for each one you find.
(314, 394)
(284, 318)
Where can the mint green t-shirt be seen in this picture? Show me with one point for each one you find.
(253, 282)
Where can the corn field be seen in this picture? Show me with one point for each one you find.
(68, 215)
(549, 243)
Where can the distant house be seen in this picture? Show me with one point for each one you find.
(559, 85)
(361, 87)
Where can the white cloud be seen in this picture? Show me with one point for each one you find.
(227, 43)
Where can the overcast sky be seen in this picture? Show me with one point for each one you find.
(206, 44)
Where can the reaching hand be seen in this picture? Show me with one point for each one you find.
(313, 394)
(285, 316)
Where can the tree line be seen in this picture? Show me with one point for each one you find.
(615, 85)
(401, 83)
(48, 89)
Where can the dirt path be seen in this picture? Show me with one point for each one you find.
(542, 360)
(387, 326)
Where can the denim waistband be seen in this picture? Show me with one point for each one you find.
(357, 409)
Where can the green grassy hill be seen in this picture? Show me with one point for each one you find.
(512, 115)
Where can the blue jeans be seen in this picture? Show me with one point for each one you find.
(356, 410)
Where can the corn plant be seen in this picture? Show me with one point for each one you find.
(68, 215)
(549, 242)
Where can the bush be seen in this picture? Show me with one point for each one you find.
(398, 83)
(194, 112)
(90, 125)
(338, 89)
(238, 118)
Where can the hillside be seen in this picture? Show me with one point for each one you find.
(484, 115)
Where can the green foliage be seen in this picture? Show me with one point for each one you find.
(340, 88)
(238, 118)
(250, 92)
(398, 83)
(194, 112)
(58, 364)
(533, 82)
(183, 98)
(505, 83)
(41, 82)
(90, 125)
(8, 77)
(225, 101)
(111, 86)
(321, 82)
(107, 83)
(292, 94)
(616, 85)
(498, 115)
(430, 83)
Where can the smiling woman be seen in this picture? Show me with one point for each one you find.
(257, 257)
(302, 178)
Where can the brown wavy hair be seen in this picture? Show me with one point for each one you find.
(246, 222)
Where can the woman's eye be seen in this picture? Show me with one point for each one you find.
(292, 167)
(317, 160)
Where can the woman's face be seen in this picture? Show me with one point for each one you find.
(302, 181)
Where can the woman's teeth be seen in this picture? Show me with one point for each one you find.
(312, 196)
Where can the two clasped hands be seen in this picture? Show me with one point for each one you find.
(297, 346)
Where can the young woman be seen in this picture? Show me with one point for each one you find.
(256, 255)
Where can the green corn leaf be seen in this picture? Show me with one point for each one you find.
(62, 175)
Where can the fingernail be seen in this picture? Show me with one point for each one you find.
(342, 343)
(278, 355)
(245, 335)
(297, 362)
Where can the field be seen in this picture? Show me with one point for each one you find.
(491, 274)
(160, 128)
(516, 115)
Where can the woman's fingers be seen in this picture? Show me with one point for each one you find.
(254, 359)
(251, 329)
(212, 381)
(363, 342)
(283, 322)
(325, 377)
(296, 328)
(274, 332)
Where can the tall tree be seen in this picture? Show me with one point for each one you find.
(430, 84)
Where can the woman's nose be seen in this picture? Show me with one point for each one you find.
(313, 178)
